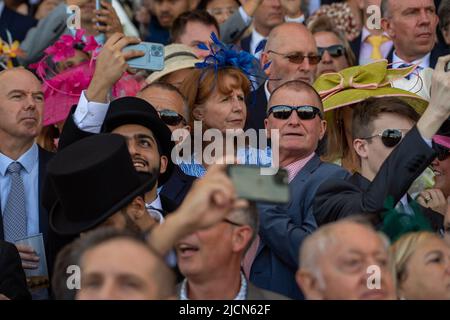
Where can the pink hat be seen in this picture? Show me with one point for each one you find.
(442, 140)
(64, 90)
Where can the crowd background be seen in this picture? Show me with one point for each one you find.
(359, 97)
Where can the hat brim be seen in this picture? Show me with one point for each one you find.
(352, 96)
(161, 132)
(63, 226)
(171, 68)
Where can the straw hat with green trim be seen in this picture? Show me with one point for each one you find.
(359, 83)
(176, 57)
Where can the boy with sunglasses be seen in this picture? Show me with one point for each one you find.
(393, 152)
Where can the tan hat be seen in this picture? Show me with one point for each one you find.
(176, 57)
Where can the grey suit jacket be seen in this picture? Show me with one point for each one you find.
(47, 31)
(232, 29)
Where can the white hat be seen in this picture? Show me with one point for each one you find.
(176, 57)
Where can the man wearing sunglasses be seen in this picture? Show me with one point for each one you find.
(290, 54)
(393, 151)
(296, 111)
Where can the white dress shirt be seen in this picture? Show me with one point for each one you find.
(423, 62)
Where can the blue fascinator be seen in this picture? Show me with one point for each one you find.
(222, 56)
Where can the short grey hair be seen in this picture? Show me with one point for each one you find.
(249, 217)
(318, 243)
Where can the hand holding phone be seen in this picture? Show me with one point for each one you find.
(153, 58)
(251, 185)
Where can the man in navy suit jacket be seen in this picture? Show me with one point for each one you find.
(21, 107)
(284, 227)
(16, 23)
(414, 37)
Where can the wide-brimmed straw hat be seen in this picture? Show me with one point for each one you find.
(176, 57)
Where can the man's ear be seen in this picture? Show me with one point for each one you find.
(309, 285)
(264, 61)
(360, 146)
(323, 128)
(163, 161)
(386, 24)
(137, 208)
(242, 235)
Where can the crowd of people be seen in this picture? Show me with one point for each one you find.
(355, 107)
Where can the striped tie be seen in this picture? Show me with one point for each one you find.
(15, 217)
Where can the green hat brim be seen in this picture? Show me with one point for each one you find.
(352, 96)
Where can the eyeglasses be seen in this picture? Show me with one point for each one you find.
(335, 51)
(298, 57)
(171, 118)
(232, 223)
(303, 112)
(218, 11)
(389, 137)
(442, 152)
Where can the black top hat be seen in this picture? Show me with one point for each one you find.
(132, 110)
(93, 179)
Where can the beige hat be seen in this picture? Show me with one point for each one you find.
(176, 57)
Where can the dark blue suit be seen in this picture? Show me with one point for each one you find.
(17, 24)
(283, 229)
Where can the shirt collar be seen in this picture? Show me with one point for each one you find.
(300, 19)
(155, 209)
(266, 90)
(424, 62)
(294, 168)
(242, 294)
(28, 160)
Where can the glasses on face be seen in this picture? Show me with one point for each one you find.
(298, 57)
(389, 137)
(442, 152)
(171, 118)
(219, 11)
(283, 112)
(335, 51)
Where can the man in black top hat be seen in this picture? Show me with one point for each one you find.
(149, 139)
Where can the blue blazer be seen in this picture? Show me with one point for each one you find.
(283, 229)
(16, 23)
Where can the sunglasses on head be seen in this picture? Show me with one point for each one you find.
(298, 57)
(442, 152)
(335, 51)
(389, 137)
(171, 118)
(303, 112)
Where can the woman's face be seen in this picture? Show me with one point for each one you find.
(78, 58)
(222, 9)
(427, 274)
(223, 111)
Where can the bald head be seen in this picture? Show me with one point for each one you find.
(286, 43)
(336, 260)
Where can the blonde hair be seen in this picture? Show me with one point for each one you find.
(402, 250)
(201, 84)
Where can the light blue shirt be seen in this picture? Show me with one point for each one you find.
(30, 177)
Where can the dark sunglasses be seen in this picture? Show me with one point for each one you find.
(298, 57)
(442, 152)
(303, 112)
(171, 118)
(335, 51)
(389, 137)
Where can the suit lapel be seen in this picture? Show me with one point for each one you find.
(44, 157)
